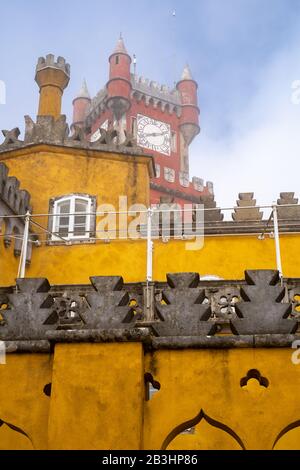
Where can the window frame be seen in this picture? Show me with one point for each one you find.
(134, 126)
(54, 216)
(173, 141)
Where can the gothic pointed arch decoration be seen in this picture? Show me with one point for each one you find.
(285, 431)
(18, 430)
(194, 422)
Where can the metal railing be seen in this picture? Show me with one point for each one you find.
(30, 219)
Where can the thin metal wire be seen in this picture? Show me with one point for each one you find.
(48, 231)
(155, 209)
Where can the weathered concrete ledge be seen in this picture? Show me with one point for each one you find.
(151, 343)
(100, 336)
(224, 342)
(40, 346)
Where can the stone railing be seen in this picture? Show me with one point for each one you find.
(184, 312)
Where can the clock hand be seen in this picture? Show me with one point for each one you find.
(155, 134)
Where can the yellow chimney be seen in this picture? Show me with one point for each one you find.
(52, 78)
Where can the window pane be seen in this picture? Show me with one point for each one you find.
(80, 220)
(80, 205)
(63, 231)
(64, 207)
(64, 221)
(79, 230)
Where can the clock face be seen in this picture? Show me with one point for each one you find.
(154, 135)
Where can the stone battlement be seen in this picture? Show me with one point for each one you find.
(13, 201)
(50, 131)
(49, 61)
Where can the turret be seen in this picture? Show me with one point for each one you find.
(189, 120)
(80, 105)
(52, 78)
(119, 84)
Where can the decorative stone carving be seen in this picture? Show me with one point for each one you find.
(11, 138)
(261, 312)
(129, 141)
(68, 312)
(46, 130)
(252, 214)
(106, 137)
(288, 212)
(29, 308)
(198, 183)
(213, 215)
(109, 304)
(210, 187)
(182, 315)
(223, 302)
(77, 134)
(181, 311)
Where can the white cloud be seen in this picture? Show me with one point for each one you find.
(261, 154)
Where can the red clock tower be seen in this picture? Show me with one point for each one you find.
(163, 121)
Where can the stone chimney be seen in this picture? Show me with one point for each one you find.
(52, 78)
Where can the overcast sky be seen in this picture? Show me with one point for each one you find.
(244, 54)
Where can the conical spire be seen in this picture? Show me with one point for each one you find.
(120, 46)
(83, 92)
(186, 74)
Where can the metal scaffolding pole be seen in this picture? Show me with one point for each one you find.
(22, 264)
(277, 242)
(149, 246)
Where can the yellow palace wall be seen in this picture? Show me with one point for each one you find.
(98, 399)
(97, 395)
(226, 257)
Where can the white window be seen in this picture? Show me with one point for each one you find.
(157, 170)
(72, 217)
(169, 174)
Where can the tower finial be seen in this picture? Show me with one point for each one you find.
(83, 92)
(120, 46)
(186, 74)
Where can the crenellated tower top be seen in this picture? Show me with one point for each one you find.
(52, 78)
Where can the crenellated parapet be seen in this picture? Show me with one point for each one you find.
(186, 312)
(291, 209)
(50, 62)
(156, 95)
(52, 77)
(51, 131)
(13, 201)
(246, 209)
(211, 214)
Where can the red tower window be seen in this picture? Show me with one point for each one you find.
(133, 126)
(117, 59)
